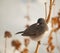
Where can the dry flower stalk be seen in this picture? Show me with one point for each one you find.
(55, 21)
(37, 48)
(7, 34)
(45, 10)
(50, 10)
(47, 20)
(28, 6)
(50, 47)
(26, 42)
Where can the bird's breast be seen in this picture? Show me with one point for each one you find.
(39, 37)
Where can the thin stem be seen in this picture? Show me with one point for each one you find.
(50, 10)
(45, 10)
(28, 8)
(37, 48)
(14, 51)
(5, 44)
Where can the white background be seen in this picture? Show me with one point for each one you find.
(12, 13)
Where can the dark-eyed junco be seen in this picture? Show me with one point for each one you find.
(36, 31)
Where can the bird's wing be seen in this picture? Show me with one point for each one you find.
(35, 29)
(31, 30)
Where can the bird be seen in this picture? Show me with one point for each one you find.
(35, 31)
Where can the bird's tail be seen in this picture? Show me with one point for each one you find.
(19, 32)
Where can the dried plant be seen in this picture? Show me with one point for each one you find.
(26, 42)
(7, 34)
(16, 44)
(25, 50)
(50, 47)
(47, 19)
(37, 48)
(50, 10)
(55, 20)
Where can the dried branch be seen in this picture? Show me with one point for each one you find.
(37, 48)
(50, 10)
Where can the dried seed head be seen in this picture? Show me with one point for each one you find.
(52, 47)
(25, 50)
(50, 39)
(7, 34)
(16, 44)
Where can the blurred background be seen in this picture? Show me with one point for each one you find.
(13, 18)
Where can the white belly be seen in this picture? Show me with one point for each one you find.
(40, 37)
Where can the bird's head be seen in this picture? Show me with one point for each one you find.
(42, 23)
(41, 20)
